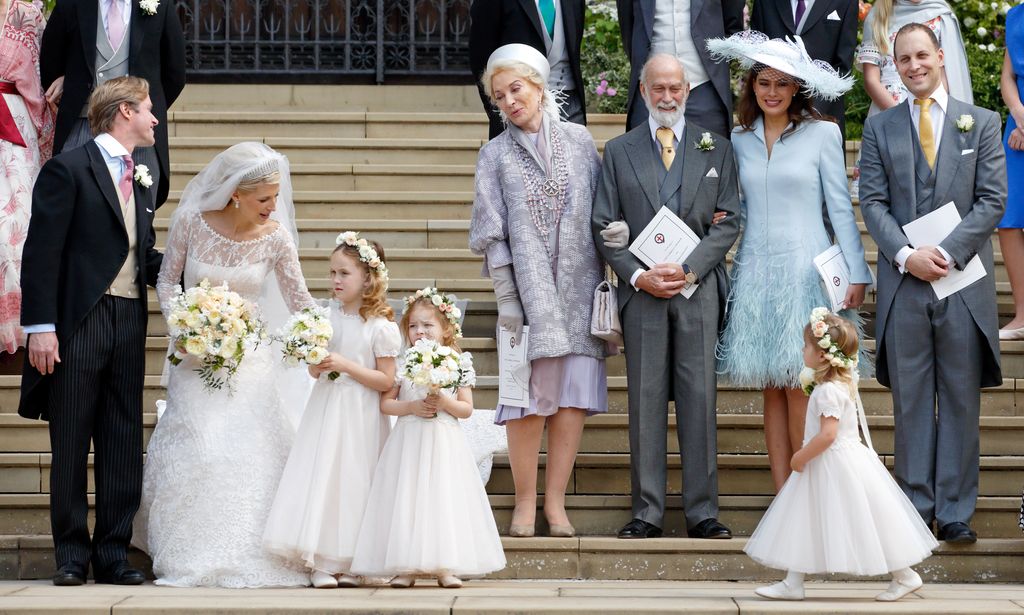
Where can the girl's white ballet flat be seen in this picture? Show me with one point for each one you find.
(781, 591)
(323, 580)
(449, 580)
(347, 580)
(899, 588)
(403, 581)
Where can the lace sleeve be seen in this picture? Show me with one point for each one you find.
(289, 276)
(829, 400)
(174, 261)
(386, 339)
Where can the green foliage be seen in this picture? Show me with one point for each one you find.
(48, 6)
(603, 61)
(857, 104)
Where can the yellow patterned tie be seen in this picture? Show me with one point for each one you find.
(925, 132)
(668, 148)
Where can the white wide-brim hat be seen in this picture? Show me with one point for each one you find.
(751, 48)
(518, 52)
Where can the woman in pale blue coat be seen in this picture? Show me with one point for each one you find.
(791, 160)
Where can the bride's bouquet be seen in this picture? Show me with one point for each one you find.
(214, 325)
(305, 337)
(438, 367)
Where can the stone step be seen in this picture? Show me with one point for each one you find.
(485, 356)
(299, 98)
(334, 150)
(608, 474)
(368, 177)
(254, 125)
(990, 560)
(1004, 400)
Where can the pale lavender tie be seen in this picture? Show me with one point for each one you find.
(115, 24)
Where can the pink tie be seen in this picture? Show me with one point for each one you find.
(125, 184)
(115, 24)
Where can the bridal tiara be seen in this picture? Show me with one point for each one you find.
(268, 166)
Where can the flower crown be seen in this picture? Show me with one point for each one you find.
(819, 329)
(444, 303)
(366, 252)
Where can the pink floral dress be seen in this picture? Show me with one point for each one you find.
(25, 107)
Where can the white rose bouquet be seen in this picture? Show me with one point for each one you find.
(305, 337)
(213, 325)
(438, 367)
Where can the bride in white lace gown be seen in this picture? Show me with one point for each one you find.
(215, 459)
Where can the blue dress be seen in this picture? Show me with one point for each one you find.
(774, 282)
(1014, 216)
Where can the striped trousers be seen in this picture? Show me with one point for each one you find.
(80, 135)
(96, 395)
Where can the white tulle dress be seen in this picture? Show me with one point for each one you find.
(844, 513)
(215, 458)
(320, 502)
(428, 512)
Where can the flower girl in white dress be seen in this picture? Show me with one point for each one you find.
(840, 511)
(319, 506)
(428, 513)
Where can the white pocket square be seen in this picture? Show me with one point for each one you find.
(966, 151)
(712, 173)
(149, 211)
(833, 16)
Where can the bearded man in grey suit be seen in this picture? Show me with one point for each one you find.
(670, 340)
(935, 354)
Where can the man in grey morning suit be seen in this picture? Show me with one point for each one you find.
(934, 353)
(670, 340)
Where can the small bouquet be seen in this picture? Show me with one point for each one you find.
(807, 383)
(305, 337)
(214, 325)
(438, 367)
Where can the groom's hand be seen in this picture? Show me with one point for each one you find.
(42, 351)
(927, 264)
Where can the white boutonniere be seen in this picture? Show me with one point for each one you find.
(142, 176)
(149, 7)
(965, 122)
(706, 143)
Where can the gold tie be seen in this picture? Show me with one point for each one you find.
(668, 149)
(924, 130)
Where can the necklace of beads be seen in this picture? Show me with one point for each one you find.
(545, 196)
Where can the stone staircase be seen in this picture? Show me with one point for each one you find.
(403, 174)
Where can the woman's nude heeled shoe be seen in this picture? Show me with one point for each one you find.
(521, 531)
(561, 531)
(403, 581)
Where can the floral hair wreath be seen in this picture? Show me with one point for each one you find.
(444, 303)
(366, 252)
(819, 329)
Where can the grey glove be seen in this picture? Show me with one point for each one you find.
(510, 310)
(616, 235)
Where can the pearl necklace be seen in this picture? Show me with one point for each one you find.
(545, 195)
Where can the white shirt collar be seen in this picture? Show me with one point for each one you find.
(940, 96)
(677, 128)
(110, 146)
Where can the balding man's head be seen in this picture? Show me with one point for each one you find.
(664, 88)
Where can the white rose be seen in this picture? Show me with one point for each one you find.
(195, 346)
(806, 377)
(825, 342)
(969, 22)
(444, 351)
(436, 300)
(982, 31)
(456, 312)
(316, 356)
(228, 347)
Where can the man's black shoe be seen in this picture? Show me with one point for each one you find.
(709, 528)
(120, 573)
(957, 533)
(70, 574)
(638, 528)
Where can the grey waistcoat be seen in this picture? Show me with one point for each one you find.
(109, 63)
(925, 178)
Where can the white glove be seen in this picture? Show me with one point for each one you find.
(616, 235)
(510, 310)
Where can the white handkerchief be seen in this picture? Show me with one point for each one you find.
(833, 16)
(712, 173)
(966, 151)
(149, 211)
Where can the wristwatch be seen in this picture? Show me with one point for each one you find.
(689, 275)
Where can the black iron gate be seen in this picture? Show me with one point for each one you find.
(321, 40)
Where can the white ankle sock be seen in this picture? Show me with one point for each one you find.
(794, 579)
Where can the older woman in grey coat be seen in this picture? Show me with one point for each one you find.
(531, 221)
